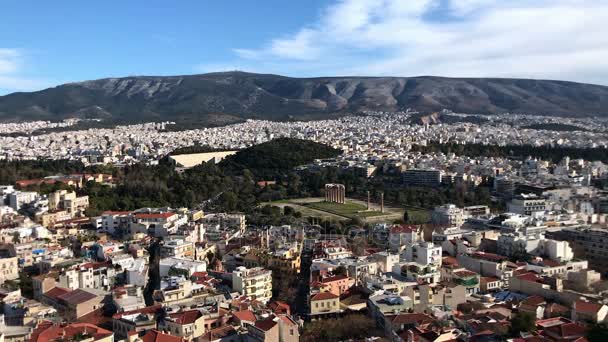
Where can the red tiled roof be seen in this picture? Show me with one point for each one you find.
(154, 215)
(567, 330)
(465, 273)
(449, 260)
(550, 263)
(587, 307)
(157, 336)
(244, 315)
(279, 307)
(489, 256)
(96, 317)
(265, 324)
(555, 308)
(76, 297)
(186, 317)
(56, 292)
(218, 333)
(324, 296)
(534, 300)
(529, 277)
(403, 229)
(489, 279)
(67, 333)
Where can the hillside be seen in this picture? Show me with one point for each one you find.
(221, 98)
(278, 156)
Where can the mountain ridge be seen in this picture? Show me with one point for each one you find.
(226, 97)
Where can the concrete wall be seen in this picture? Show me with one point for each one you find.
(193, 159)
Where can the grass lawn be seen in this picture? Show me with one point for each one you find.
(348, 209)
(418, 216)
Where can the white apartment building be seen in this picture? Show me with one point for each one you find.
(19, 199)
(68, 200)
(255, 283)
(448, 215)
(9, 269)
(527, 204)
(424, 253)
(180, 265)
(401, 236)
(114, 221)
(77, 278)
(178, 248)
(137, 274)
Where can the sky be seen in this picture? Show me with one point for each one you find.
(47, 43)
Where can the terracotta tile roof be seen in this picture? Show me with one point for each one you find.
(531, 277)
(218, 333)
(333, 278)
(324, 296)
(567, 330)
(154, 215)
(550, 263)
(449, 261)
(534, 300)
(587, 307)
(56, 292)
(76, 297)
(244, 315)
(279, 307)
(48, 333)
(489, 279)
(265, 324)
(186, 317)
(555, 308)
(465, 273)
(550, 322)
(403, 229)
(157, 336)
(96, 317)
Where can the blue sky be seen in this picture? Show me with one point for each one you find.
(45, 43)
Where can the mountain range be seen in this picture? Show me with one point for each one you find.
(227, 97)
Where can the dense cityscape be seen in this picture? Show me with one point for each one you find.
(377, 133)
(518, 252)
(304, 171)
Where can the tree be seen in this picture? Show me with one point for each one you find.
(598, 333)
(352, 327)
(522, 322)
(288, 211)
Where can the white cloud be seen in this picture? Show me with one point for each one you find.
(11, 69)
(9, 60)
(558, 39)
